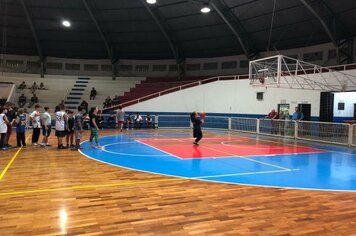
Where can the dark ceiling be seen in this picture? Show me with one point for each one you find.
(131, 32)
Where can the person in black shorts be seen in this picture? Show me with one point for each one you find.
(70, 130)
(197, 133)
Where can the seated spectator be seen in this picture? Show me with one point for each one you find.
(129, 122)
(42, 87)
(116, 100)
(34, 87)
(22, 85)
(22, 100)
(85, 105)
(34, 99)
(108, 102)
(148, 121)
(92, 94)
(138, 121)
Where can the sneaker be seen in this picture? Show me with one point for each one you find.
(62, 147)
(195, 143)
(4, 148)
(48, 145)
(42, 144)
(35, 144)
(72, 146)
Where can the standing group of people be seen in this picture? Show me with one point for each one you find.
(67, 125)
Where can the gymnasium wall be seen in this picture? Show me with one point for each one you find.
(229, 97)
(349, 99)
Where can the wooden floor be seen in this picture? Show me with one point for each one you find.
(50, 192)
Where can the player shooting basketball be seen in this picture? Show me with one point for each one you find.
(197, 133)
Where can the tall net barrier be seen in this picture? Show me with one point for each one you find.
(244, 124)
(353, 133)
(216, 122)
(277, 127)
(172, 121)
(337, 133)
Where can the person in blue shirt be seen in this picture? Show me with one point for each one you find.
(20, 122)
(297, 115)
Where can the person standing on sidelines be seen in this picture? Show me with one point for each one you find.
(78, 127)
(10, 114)
(61, 124)
(197, 133)
(94, 128)
(47, 127)
(3, 128)
(120, 117)
(20, 122)
(36, 124)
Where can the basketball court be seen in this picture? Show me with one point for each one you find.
(163, 68)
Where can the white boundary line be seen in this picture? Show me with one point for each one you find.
(246, 158)
(159, 149)
(215, 181)
(128, 154)
(244, 173)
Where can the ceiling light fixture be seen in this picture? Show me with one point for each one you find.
(151, 1)
(205, 8)
(66, 23)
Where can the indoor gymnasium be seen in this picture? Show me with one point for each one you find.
(178, 117)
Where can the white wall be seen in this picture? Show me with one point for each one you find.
(234, 96)
(349, 98)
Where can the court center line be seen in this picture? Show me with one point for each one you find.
(11, 161)
(246, 158)
(91, 186)
(246, 173)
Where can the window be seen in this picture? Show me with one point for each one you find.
(243, 64)
(193, 67)
(259, 96)
(54, 65)
(125, 67)
(173, 67)
(332, 54)
(91, 67)
(341, 106)
(72, 66)
(106, 67)
(142, 68)
(229, 65)
(313, 56)
(210, 66)
(159, 67)
(14, 63)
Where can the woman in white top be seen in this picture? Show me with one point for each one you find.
(3, 128)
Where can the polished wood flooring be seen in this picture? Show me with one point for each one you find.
(50, 192)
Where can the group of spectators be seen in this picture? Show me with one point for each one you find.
(132, 121)
(34, 99)
(23, 99)
(274, 116)
(111, 102)
(33, 87)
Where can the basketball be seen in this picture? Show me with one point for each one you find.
(202, 114)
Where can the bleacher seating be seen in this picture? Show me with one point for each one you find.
(154, 85)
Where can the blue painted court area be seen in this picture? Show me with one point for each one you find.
(332, 169)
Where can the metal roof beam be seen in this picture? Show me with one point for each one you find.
(175, 48)
(239, 34)
(34, 34)
(107, 46)
(322, 22)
